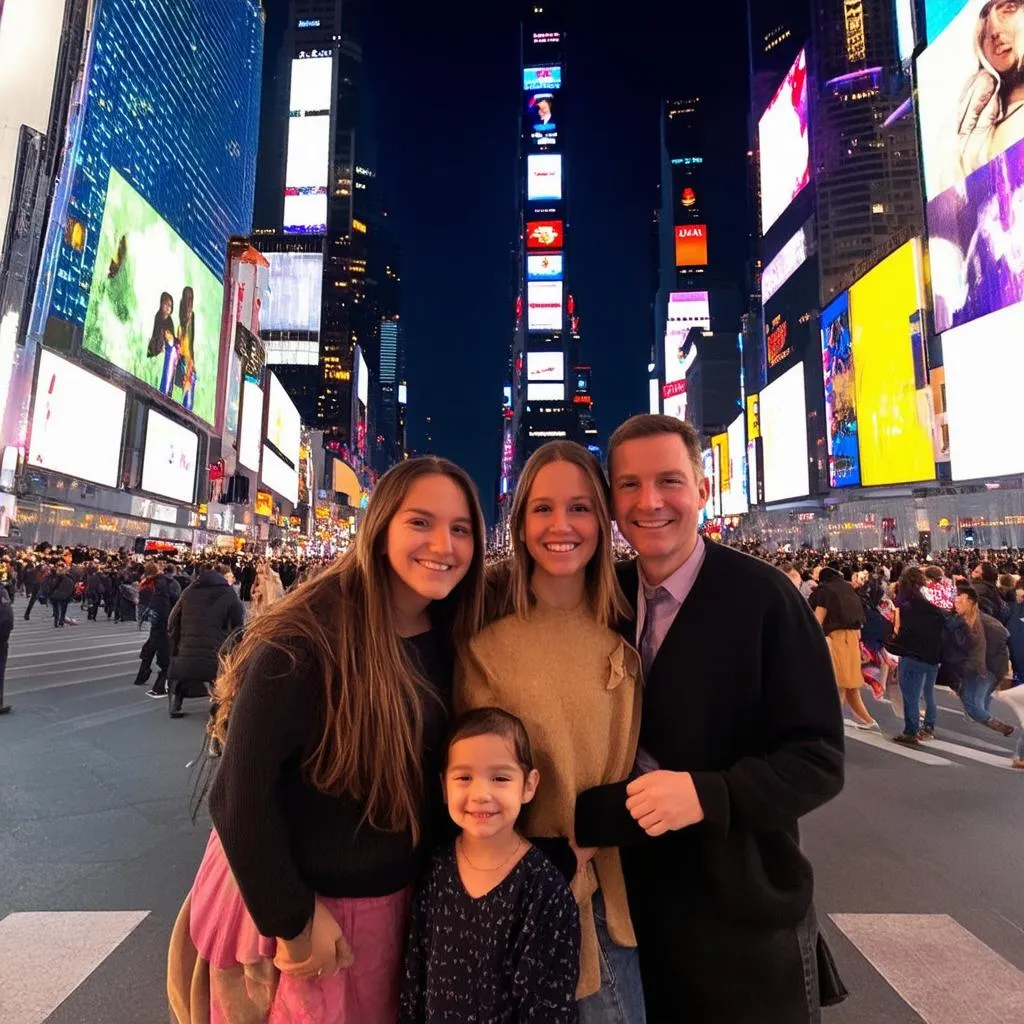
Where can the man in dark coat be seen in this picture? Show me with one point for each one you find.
(59, 589)
(97, 589)
(207, 613)
(741, 735)
(6, 626)
(162, 598)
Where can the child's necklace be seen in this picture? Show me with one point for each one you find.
(462, 850)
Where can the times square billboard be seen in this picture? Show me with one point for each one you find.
(158, 173)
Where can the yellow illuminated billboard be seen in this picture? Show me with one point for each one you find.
(891, 372)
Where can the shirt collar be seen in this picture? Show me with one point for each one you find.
(680, 583)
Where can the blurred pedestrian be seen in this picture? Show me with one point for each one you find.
(6, 626)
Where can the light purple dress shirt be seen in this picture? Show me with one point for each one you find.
(678, 587)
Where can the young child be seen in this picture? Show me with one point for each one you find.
(494, 934)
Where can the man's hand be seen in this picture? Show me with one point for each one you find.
(664, 801)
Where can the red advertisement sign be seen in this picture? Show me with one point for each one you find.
(544, 234)
(673, 388)
(691, 245)
(778, 341)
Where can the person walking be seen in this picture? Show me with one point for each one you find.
(205, 616)
(917, 642)
(35, 577)
(163, 595)
(58, 589)
(6, 627)
(978, 683)
(741, 735)
(333, 712)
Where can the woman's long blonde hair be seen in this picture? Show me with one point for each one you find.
(341, 625)
(607, 602)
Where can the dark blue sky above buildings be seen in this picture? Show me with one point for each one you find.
(445, 89)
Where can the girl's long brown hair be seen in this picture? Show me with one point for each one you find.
(607, 601)
(341, 624)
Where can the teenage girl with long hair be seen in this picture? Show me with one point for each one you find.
(332, 711)
(555, 660)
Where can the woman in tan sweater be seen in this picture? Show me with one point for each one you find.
(554, 659)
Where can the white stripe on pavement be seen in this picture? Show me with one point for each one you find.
(873, 739)
(996, 760)
(943, 971)
(44, 957)
(27, 690)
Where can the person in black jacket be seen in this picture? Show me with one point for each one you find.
(163, 596)
(918, 644)
(741, 736)
(983, 580)
(97, 588)
(207, 613)
(58, 589)
(6, 626)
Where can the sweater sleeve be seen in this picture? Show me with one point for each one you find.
(802, 767)
(273, 716)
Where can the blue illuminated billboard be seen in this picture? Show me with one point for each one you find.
(544, 268)
(542, 79)
(840, 394)
(172, 102)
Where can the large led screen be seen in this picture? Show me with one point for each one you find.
(279, 476)
(544, 176)
(686, 310)
(545, 392)
(154, 307)
(840, 396)
(544, 306)
(691, 245)
(894, 416)
(784, 144)
(77, 421)
(968, 84)
(734, 494)
(171, 100)
(939, 13)
(169, 458)
(976, 358)
(284, 425)
(545, 366)
(783, 418)
(541, 119)
(544, 268)
(976, 241)
(544, 234)
(787, 262)
(542, 79)
(308, 156)
(250, 436)
(295, 295)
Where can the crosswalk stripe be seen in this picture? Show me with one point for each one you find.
(44, 957)
(125, 673)
(940, 969)
(996, 760)
(872, 739)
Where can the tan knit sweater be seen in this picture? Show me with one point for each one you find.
(576, 686)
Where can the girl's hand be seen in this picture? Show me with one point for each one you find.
(320, 951)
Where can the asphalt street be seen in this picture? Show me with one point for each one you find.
(918, 862)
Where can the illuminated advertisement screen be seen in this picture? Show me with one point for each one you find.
(58, 441)
(686, 310)
(154, 307)
(308, 154)
(654, 396)
(172, 102)
(976, 241)
(784, 145)
(783, 415)
(691, 245)
(545, 392)
(939, 13)
(544, 234)
(675, 404)
(840, 397)
(544, 306)
(544, 176)
(545, 366)
(778, 341)
(250, 436)
(284, 424)
(894, 417)
(310, 91)
(542, 79)
(968, 108)
(734, 497)
(279, 476)
(544, 268)
(787, 261)
(295, 294)
(362, 378)
(541, 121)
(169, 458)
(975, 358)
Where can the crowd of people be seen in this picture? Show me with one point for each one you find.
(556, 786)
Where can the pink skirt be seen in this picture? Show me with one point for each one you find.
(225, 937)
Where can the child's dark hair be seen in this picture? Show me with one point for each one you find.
(493, 722)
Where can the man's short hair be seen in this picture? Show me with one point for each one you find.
(223, 568)
(652, 425)
(989, 573)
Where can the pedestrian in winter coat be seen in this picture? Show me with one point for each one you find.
(58, 589)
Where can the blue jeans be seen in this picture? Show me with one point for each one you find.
(976, 694)
(917, 677)
(620, 1000)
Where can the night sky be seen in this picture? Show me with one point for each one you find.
(445, 84)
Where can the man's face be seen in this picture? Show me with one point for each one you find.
(657, 495)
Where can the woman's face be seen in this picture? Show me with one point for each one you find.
(166, 306)
(561, 529)
(1003, 27)
(430, 538)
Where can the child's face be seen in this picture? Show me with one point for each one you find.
(485, 787)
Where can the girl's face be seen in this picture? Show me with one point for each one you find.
(1003, 28)
(485, 786)
(561, 529)
(165, 307)
(430, 538)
